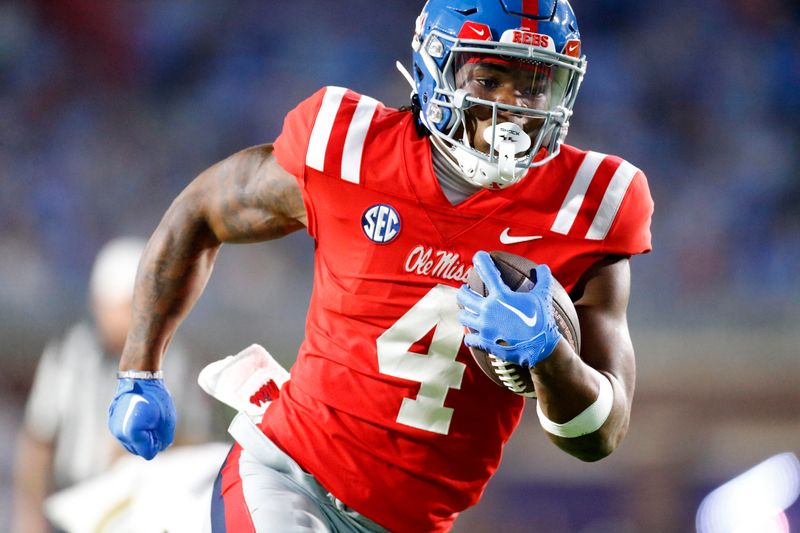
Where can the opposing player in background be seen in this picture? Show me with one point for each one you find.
(64, 439)
(386, 422)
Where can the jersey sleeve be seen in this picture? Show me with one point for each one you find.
(630, 232)
(291, 146)
(327, 135)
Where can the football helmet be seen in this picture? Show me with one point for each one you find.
(537, 42)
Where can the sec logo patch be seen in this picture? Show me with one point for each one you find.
(381, 223)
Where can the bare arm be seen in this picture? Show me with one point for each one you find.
(564, 382)
(248, 197)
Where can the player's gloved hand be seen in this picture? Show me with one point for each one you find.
(517, 327)
(142, 416)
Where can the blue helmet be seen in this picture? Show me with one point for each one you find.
(537, 35)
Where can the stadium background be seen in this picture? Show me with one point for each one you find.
(108, 108)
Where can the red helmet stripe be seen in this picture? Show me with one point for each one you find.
(530, 7)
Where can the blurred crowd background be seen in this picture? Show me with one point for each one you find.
(108, 108)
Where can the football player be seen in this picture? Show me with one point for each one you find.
(386, 422)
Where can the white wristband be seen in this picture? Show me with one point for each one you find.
(140, 374)
(588, 421)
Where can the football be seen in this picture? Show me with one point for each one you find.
(516, 271)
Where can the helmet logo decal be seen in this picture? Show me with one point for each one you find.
(381, 223)
(572, 48)
(475, 30)
(531, 39)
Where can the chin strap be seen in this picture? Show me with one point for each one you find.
(486, 174)
(467, 162)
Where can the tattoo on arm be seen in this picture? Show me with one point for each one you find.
(246, 198)
(255, 198)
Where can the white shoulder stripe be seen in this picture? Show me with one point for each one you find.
(577, 191)
(318, 143)
(612, 199)
(354, 142)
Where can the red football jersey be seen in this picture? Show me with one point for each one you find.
(385, 406)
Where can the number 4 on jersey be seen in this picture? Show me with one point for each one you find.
(437, 371)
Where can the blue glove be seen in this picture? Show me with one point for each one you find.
(142, 416)
(517, 327)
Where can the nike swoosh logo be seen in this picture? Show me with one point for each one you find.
(529, 321)
(572, 47)
(505, 238)
(481, 32)
(133, 403)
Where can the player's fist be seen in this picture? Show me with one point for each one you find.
(142, 416)
(517, 327)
